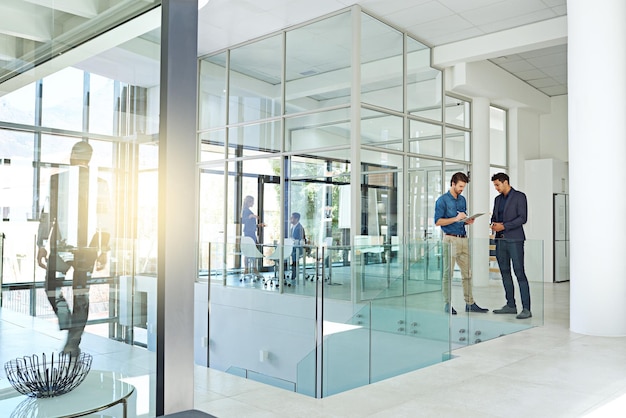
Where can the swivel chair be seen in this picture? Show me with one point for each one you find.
(252, 254)
(276, 257)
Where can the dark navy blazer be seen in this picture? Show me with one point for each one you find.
(515, 215)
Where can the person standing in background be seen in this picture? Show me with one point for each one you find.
(249, 220)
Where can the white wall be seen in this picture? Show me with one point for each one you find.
(553, 130)
(523, 143)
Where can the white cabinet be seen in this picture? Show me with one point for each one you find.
(544, 179)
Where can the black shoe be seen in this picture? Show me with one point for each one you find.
(506, 309)
(475, 308)
(525, 314)
(448, 308)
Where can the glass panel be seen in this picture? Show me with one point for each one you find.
(372, 340)
(457, 112)
(212, 97)
(381, 130)
(457, 144)
(424, 83)
(381, 223)
(381, 64)
(16, 208)
(62, 100)
(497, 136)
(59, 28)
(211, 222)
(318, 130)
(254, 139)
(425, 186)
(425, 138)
(101, 105)
(212, 145)
(318, 67)
(252, 210)
(255, 80)
(489, 291)
(93, 214)
(19, 106)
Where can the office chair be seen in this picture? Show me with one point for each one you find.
(276, 257)
(252, 254)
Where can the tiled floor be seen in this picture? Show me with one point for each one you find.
(546, 371)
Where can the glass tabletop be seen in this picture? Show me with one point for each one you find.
(99, 391)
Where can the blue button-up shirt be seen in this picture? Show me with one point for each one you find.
(448, 207)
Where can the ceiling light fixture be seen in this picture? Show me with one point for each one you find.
(202, 3)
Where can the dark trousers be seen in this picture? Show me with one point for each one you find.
(512, 252)
(83, 260)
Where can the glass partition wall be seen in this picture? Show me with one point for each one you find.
(343, 123)
(97, 214)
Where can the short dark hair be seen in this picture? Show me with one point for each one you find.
(81, 153)
(296, 215)
(457, 177)
(501, 177)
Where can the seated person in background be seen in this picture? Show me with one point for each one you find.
(298, 235)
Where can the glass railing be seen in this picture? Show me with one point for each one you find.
(346, 316)
(339, 318)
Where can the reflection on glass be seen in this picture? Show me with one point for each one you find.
(62, 100)
(318, 188)
(457, 112)
(318, 130)
(212, 92)
(381, 130)
(212, 145)
(425, 138)
(57, 28)
(211, 221)
(381, 64)
(18, 106)
(318, 67)
(457, 144)
(425, 186)
(424, 83)
(251, 139)
(101, 113)
(255, 81)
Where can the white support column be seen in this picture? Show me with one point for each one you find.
(178, 184)
(480, 184)
(597, 156)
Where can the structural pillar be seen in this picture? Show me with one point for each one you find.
(597, 157)
(480, 184)
(178, 185)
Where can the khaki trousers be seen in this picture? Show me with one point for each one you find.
(456, 250)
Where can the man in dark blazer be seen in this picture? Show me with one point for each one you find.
(510, 212)
(299, 236)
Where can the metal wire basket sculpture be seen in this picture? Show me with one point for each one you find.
(50, 376)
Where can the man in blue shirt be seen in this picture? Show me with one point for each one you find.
(450, 210)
